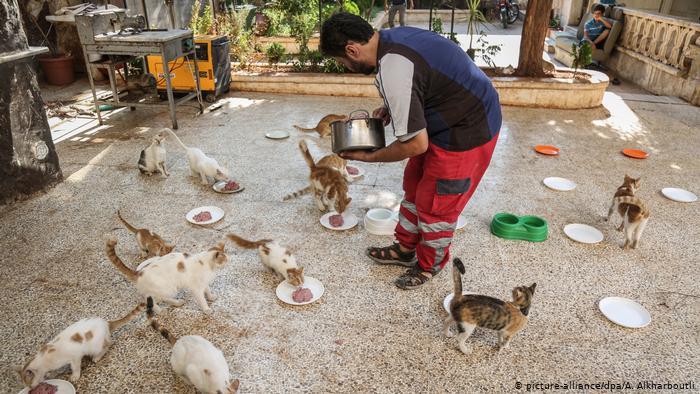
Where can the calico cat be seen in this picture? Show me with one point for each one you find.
(201, 164)
(88, 337)
(470, 311)
(150, 243)
(323, 128)
(634, 212)
(197, 360)
(275, 257)
(329, 187)
(152, 158)
(161, 277)
(337, 163)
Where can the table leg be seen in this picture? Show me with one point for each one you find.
(169, 87)
(113, 83)
(92, 85)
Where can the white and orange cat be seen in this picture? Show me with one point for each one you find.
(323, 128)
(88, 337)
(328, 185)
(275, 257)
(201, 164)
(634, 212)
(337, 163)
(150, 243)
(161, 277)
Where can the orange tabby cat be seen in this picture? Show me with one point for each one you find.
(337, 163)
(150, 243)
(323, 128)
(632, 209)
(329, 187)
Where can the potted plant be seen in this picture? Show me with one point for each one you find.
(475, 19)
(57, 66)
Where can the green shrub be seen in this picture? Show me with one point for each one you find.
(275, 53)
(582, 54)
(437, 25)
(330, 65)
(278, 25)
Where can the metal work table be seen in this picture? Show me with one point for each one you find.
(170, 45)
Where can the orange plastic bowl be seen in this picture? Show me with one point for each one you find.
(547, 150)
(635, 153)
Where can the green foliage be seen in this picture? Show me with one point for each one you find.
(278, 25)
(351, 7)
(437, 25)
(315, 61)
(242, 48)
(275, 53)
(486, 51)
(332, 66)
(453, 38)
(475, 19)
(582, 54)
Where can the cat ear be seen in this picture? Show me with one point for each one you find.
(233, 387)
(532, 288)
(301, 270)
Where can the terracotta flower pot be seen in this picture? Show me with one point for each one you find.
(58, 70)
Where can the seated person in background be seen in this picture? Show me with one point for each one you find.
(597, 29)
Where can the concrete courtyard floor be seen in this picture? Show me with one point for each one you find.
(364, 334)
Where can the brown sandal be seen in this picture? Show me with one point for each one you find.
(413, 278)
(383, 256)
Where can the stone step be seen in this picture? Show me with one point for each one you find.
(549, 44)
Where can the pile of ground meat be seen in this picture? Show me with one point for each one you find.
(302, 294)
(230, 186)
(44, 388)
(352, 170)
(202, 216)
(336, 220)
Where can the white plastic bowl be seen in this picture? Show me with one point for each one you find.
(380, 221)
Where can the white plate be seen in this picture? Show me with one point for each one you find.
(349, 221)
(277, 135)
(219, 187)
(64, 387)
(624, 312)
(679, 195)
(381, 221)
(559, 184)
(461, 222)
(360, 172)
(583, 233)
(216, 215)
(284, 290)
(448, 299)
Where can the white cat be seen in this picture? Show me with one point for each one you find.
(201, 164)
(152, 158)
(197, 361)
(275, 257)
(87, 337)
(161, 277)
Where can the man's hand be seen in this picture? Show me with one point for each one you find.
(383, 114)
(396, 151)
(357, 155)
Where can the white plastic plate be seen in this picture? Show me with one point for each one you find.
(624, 312)
(216, 214)
(284, 290)
(349, 221)
(64, 387)
(461, 222)
(448, 299)
(583, 233)
(219, 188)
(360, 172)
(680, 195)
(559, 184)
(277, 135)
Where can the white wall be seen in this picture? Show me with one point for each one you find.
(686, 8)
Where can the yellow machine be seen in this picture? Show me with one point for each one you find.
(212, 53)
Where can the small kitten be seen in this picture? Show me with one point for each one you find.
(152, 158)
(329, 187)
(470, 311)
(275, 257)
(337, 163)
(201, 164)
(634, 212)
(161, 277)
(150, 243)
(144, 84)
(88, 337)
(197, 360)
(323, 128)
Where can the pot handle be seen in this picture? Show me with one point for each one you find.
(364, 111)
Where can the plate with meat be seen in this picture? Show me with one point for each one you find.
(227, 187)
(309, 292)
(339, 222)
(205, 215)
(51, 386)
(355, 172)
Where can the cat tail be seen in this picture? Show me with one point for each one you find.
(297, 193)
(457, 271)
(176, 138)
(112, 254)
(244, 243)
(632, 200)
(126, 224)
(154, 323)
(114, 325)
(305, 130)
(306, 154)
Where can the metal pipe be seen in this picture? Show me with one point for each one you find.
(145, 14)
(430, 18)
(452, 22)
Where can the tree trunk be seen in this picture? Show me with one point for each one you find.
(532, 40)
(28, 159)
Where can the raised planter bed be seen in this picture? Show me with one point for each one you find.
(523, 92)
(290, 46)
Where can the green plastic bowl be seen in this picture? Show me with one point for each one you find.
(525, 228)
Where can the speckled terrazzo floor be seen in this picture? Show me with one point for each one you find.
(54, 270)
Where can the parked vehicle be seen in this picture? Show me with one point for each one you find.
(508, 11)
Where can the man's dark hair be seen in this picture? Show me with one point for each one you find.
(599, 7)
(341, 28)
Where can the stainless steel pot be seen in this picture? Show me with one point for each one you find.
(360, 132)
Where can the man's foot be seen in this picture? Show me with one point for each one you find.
(413, 278)
(392, 255)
